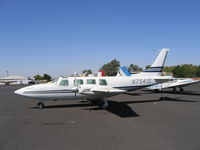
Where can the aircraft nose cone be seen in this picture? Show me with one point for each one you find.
(19, 92)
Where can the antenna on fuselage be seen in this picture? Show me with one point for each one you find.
(75, 79)
(75, 83)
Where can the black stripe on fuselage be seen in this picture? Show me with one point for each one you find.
(129, 88)
(48, 92)
(154, 69)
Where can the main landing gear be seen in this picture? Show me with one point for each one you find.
(104, 103)
(40, 105)
(174, 90)
(180, 91)
(101, 102)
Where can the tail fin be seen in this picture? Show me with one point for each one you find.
(156, 67)
(158, 64)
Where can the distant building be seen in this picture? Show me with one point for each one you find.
(14, 80)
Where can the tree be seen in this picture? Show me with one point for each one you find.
(47, 77)
(88, 71)
(169, 68)
(134, 68)
(185, 71)
(147, 67)
(44, 77)
(38, 77)
(111, 68)
(198, 71)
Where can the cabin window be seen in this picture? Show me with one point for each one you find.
(91, 81)
(64, 83)
(102, 82)
(78, 82)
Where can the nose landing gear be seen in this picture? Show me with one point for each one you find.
(40, 105)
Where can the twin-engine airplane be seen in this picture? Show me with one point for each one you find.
(95, 88)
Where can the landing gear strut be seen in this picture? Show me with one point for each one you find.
(40, 105)
(174, 90)
(104, 103)
(181, 89)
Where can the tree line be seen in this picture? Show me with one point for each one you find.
(184, 71)
(44, 77)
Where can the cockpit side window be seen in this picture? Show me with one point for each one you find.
(78, 82)
(64, 83)
(102, 82)
(91, 81)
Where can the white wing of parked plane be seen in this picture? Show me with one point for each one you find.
(184, 82)
(173, 84)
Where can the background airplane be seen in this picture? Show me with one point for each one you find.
(158, 67)
(174, 84)
(12, 79)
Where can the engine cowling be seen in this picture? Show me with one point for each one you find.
(86, 89)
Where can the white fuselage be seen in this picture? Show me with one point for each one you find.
(63, 88)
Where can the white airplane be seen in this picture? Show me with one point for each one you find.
(7, 80)
(92, 88)
(156, 67)
(175, 83)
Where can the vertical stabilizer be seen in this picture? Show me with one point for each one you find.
(158, 64)
(155, 69)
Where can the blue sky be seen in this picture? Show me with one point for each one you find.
(62, 36)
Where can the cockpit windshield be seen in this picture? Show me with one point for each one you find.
(55, 80)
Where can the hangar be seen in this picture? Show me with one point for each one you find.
(14, 80)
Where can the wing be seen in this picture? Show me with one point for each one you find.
(108, 90)
(184, 83)
(99, 90)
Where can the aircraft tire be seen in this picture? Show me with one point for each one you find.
(40, 105)
(181, 90)
(156, 90)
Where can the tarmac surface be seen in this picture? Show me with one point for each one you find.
(139, 120)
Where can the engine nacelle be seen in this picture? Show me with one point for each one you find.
(86, 89)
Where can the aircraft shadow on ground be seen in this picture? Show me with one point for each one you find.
(121, 109)
(159, 100)
(133, 94)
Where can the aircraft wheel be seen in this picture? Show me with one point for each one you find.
(104, 103)
(40, 105)
(174, 90)
(104, 106)
(181, 90)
